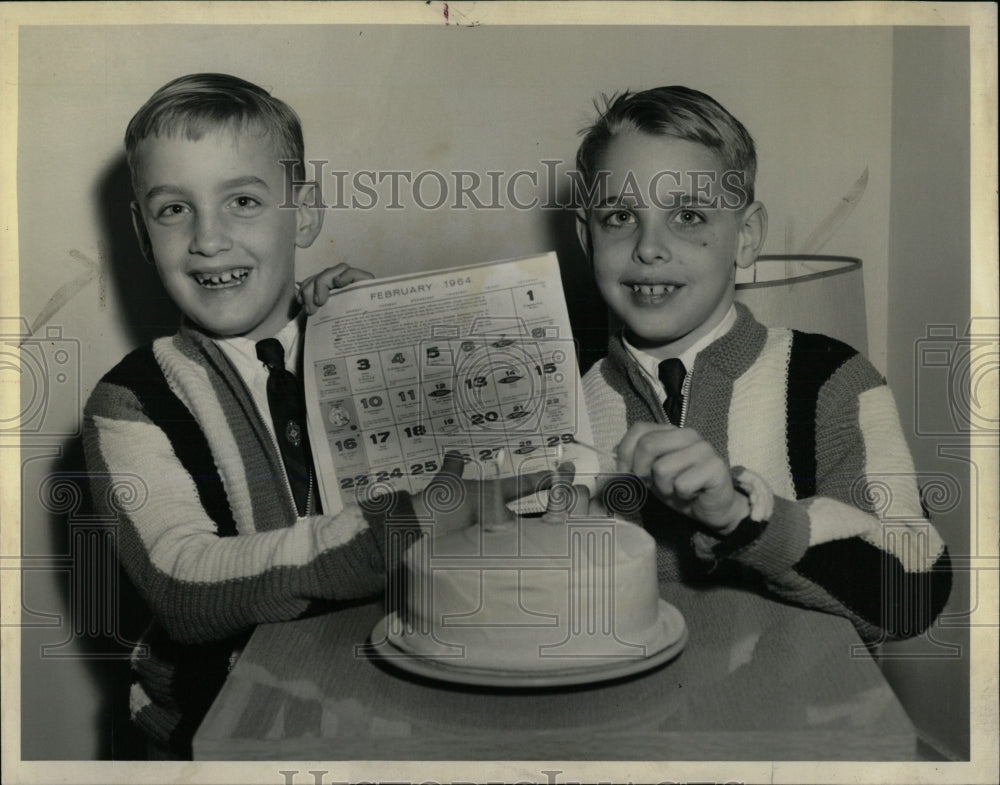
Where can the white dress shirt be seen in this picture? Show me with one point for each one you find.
(651, 365)
(242, 353)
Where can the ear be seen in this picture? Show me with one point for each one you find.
(139, 225)
(752, 234)
(308, 214)
(583, 233)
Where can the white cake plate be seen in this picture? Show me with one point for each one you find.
(451, 669)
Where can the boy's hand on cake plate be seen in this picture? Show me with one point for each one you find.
(686, 474)
(315, 290)
(452, 502)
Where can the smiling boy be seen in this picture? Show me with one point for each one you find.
(763, 445)
(213, 530)
(671, 279)
(207, 215)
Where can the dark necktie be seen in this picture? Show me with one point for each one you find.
(288, 415)
(672, 375)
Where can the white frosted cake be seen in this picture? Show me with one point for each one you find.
(535, 596)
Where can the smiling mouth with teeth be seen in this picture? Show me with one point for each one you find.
(653, 290)
(223, 279)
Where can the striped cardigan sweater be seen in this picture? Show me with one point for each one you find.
(178, 451)
(817, 428)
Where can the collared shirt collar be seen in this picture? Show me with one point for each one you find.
(290, 338)
(650, 365)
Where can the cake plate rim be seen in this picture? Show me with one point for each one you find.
(429, 666)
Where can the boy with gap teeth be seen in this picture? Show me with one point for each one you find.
(761, 445)
(220, 538)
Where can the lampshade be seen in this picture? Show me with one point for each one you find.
(817, 294)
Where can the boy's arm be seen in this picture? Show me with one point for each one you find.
(201, 584)
(861, 546)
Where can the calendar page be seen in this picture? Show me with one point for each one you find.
(478, 360)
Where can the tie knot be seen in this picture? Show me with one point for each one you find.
(271, 353)
(672, 374)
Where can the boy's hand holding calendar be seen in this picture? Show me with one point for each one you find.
(685, 473)
(315, 290)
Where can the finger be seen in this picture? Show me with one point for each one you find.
(664, 441)
(319, 295)
(691, 482)
(303, 289)
(326, 282)
(649, 450)
(306, 293)
(331, 274)
(560, 485)
(565, 472)
(444, 500)
(564, 497)
(308, 297)
(696, 463)
(566, 501)
(352, 275)
(561, 501)
(626, 447)
(704, 477)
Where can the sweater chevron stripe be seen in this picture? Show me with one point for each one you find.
(814, 421)
(212, 540)
(813, 360)
(143, 378)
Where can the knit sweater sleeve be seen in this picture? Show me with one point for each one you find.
(854, 540)
(836, 520)
(155, 474)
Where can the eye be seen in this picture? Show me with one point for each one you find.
(688, 218)
(169, 213)
(617, 218)
(245, 205)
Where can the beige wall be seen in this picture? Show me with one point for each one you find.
(818, 101)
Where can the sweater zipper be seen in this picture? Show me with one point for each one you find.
(685, 387)
(276, 449)
(284, 473)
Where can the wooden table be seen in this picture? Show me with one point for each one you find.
(758, 680)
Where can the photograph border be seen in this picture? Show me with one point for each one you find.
(980, 18)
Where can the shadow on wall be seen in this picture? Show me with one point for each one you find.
(103, 612)
(104, 615)
(147, 311)
(588, 314)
